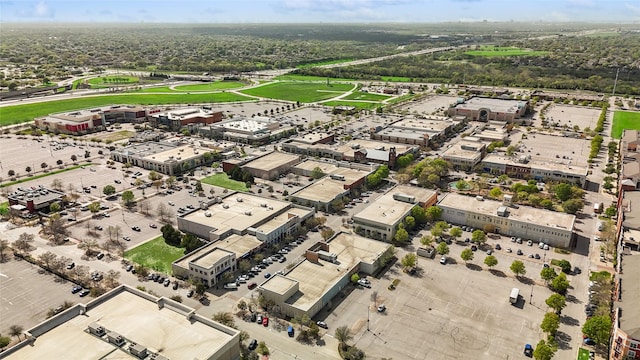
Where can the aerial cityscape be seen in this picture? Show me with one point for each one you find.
(286, 180)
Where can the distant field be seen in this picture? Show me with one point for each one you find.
(356, 104)
(395, 78)
(303, 92)
(357, 95)
(155, 254)
(22, 113)
(218, 85)
(222, 180)
(624, 120)
(493, 51)
(320, 63)
(294, 77)
(109, 81)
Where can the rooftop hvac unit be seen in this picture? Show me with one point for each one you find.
(207, 213)
(226, 206)
(264, 205)
(479, 198)
(239, 199)
(248, 212)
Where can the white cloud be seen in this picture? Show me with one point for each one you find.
(42, 10)
(633, 8)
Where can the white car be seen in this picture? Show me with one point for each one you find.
(171, 203)
(443, 260)
(364, 283)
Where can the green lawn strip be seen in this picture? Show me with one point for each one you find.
(218, 85)
(356, 104)
(583, 354)
(4, 207)
(624, 120)
(357, 95)
(43, 175)
(27, 112)
(400, 99)
(222, 180)
(155, 254)
(303, 92)
(111, 81)
(320, 63)
(159, 89)
(395, 78)
(295, 77)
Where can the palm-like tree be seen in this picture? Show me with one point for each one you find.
(343, 334)
(16, 330)
(223, 318)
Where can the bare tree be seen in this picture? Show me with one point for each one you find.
(112, 277)
(144, 206)
(23, 244)
(57, 184)
(80, 272)
(47, 258)
(55, 227)
(88, 245)
(114, 232)
(4, 246)
(164, 212)
(374, 298)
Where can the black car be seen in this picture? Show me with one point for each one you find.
(189, 293)
(474, 248)
(253, 344)
(84, 292)
(76, 289)
(135, 228)
(175, 286)
(100, 256)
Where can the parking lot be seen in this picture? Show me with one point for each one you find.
(573, 116)
(27, 294)
(430, 104)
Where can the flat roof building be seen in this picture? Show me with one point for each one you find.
(91, 120)
(523, 167)
(258, 130)
(34, 198)
(381, 218)
(313, 283)
(126, 323)
(192, 117)
(626, 319)
(164, 157)
(465, 154)
(271, 165)
(550, 227)
(485, 109)
(417, 131)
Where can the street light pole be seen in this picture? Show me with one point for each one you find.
(368, 310)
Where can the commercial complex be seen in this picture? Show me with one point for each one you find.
(33, 199)
(523, 167)
(126, 323)
(417, 131)
(168, 158)
(191, 117)
(465, 154)
(553, 228)
(326, 270)
(381, 218)
(258, 130)
(85, 121)
(625, 342)
(271, 165)
(362, 151)
(268, 219)
(485, 109)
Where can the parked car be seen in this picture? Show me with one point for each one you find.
(153, 226)
(135, 228)
(189, 293)
(76, 289)
(166, 282)
(382, 308)
(537, 256)
(129, 268)
(252, 285)
(364, 283)
(126, 238)
(498, 247)
(259, 319)
(519, 252)
(100, 256)
(322, 324)
(84, 292)
(265, 321)
(253, 345)
(589, 341)
(267, 275)
(71, 265)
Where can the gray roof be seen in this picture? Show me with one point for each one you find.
(381, 155)
(630, 288)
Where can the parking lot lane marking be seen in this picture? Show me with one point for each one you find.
(3, 275)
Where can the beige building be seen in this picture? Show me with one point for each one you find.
(313, 283)
(485, 109)
(126, 323)
(381, 218)
(418, 131)
(553, 228)
(625, 342)
(524, 168)
(271, 165)
(465, 154)
(258, 130)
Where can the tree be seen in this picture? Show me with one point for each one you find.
(23, 244)
(164, 212)
(550, 323)
(495, 192)
(262, 347)
(28, 169)
(409, 261)
(171, 235)
(565, 265)
(547, 274)
(44, 166)
(563, 191)
(490, 261)
(57, 184)
(426, 240)
(244, 265)
(74, 158)
(442, 248)
(327, 233)
(557, 302)
(128, 197)
(47, 259)
(16, 330)
(466, 255)
(343, 334)
(88, 245)
(317, 173)
(401, 236)
(455, 232)
(224, 318)
(518, 268)
(190, 242)
(54, 207)
(4, 246)
(418, 213)
(109, 190)
(572, 206)
(94, 207)
(479, 236)
(598, 329)
(543, 351)
(433, 213)
(560, 284)
(354, 278)
(4, 341)
(410, 222)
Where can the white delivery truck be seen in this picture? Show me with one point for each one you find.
(515, 293)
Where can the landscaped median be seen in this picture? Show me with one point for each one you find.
(223, 181)
(155, 254)
(43, 175)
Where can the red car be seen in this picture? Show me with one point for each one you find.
(265, 321)
(252, 285)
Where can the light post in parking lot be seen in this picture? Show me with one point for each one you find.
(368, 310)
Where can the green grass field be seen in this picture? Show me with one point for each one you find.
(356, 104)
(155, 254)
(109, 81)
(22, 113)
(222, 180)
(624, 120)
(493, 51)
(319, 63)
(583, 354)
(295, 77)
(218, 85)
(395, 79)
(357, 95)
(303, 92)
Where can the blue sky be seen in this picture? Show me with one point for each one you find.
(316, 11)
